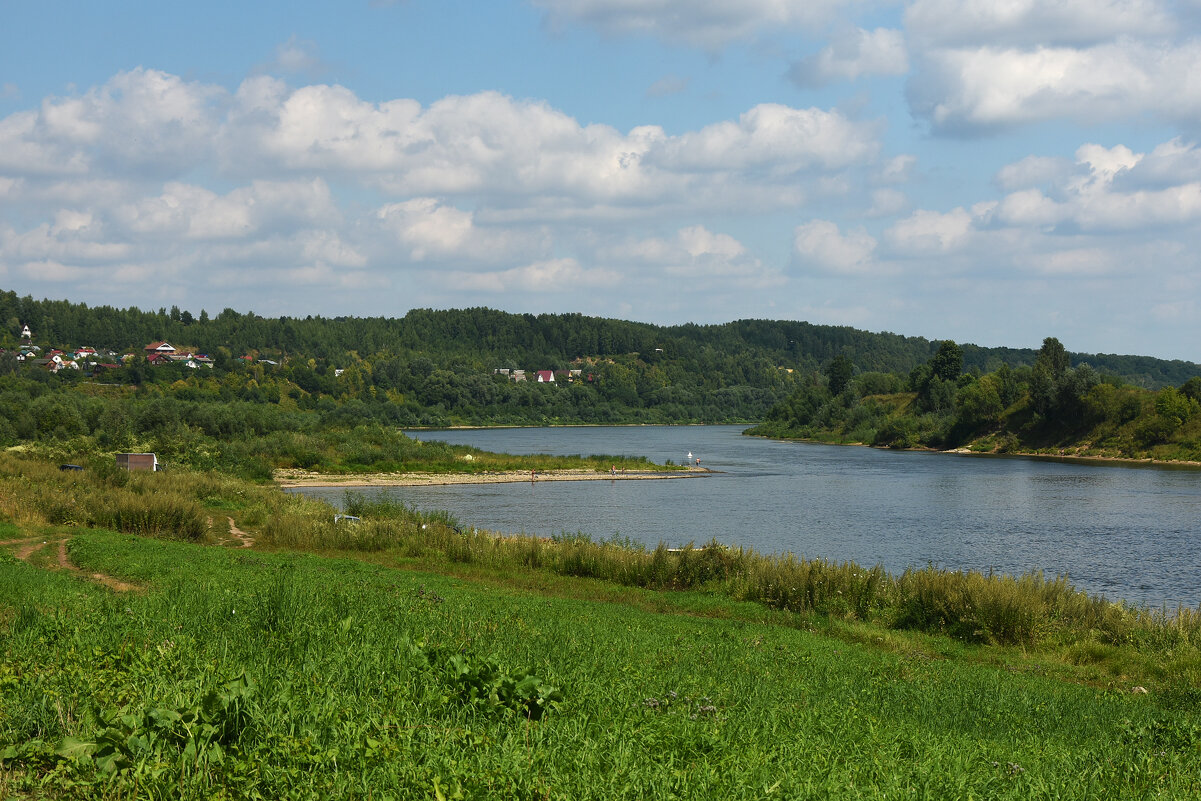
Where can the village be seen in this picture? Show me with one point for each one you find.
(91, 361)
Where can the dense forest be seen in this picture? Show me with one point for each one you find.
(327, 394)
(718, 356)
(1049, 407)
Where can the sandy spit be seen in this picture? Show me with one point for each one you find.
(302, 478)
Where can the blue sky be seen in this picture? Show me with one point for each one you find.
(990, 171)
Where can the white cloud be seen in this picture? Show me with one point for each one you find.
(929, 232)
(667, 85)
(854, 54)
(773, 138)
(298, 57)
(197, 213)
(694, 253)
(990, 87)
(1033, 171)
(1030, 208)
(1030, 22)
(820, 243)
(494, 145)
(552, 275)
(140, 122)
(887, 202)
(709, 24)
(1087, 262)
(432, 231)
(897, 169)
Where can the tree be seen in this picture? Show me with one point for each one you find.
(1054, 357)
(839, 372)
(947, 364)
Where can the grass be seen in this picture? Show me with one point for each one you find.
(315, 677)
(403, 658)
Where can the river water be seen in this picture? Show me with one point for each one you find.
(1125, 532)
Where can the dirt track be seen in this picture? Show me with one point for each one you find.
(28, 546)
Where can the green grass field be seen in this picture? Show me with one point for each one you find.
(269, 672)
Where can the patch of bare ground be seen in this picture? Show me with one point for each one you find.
(27, 547)
(115, 584)
(246, 540)
(243, 539)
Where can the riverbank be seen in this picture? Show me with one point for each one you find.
(289, 479)
(1076, 458)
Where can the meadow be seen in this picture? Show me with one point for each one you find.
(408, 657)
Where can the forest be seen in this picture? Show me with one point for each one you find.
(1050, 407)
(332, 393)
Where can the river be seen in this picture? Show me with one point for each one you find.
(1125, 532)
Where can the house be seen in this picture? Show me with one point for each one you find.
(138, 461)
(545, 376)
(518, 375)
(85, 353)
(26, 334)
(158, 347)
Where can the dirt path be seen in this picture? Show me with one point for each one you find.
(246, 540)
(29, 549)
(28, 546)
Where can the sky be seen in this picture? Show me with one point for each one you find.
(987, 171)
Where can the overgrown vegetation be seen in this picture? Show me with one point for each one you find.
(1050, 407)
(1030, 610)
(241, 673)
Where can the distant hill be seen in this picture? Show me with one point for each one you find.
(487, 337)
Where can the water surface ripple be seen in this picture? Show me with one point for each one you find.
(1125, 532)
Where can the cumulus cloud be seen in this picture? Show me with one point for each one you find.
(926, 232)
(491, 144)
(1033, 171)
(141, 122)
(709, 24)
(853, 54)
(1034, 22)
(986, 88)
(552, 275)
(820, 244)
(433, 231)
(694, 253)
(194, 212)
(1104, 190)
(150, 176)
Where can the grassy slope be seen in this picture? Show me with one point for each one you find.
(654, 705)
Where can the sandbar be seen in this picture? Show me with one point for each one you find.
(303, 478)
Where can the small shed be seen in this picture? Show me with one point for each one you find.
(138, 461)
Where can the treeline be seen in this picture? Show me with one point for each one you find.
(726, 355)
(1051, 406)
